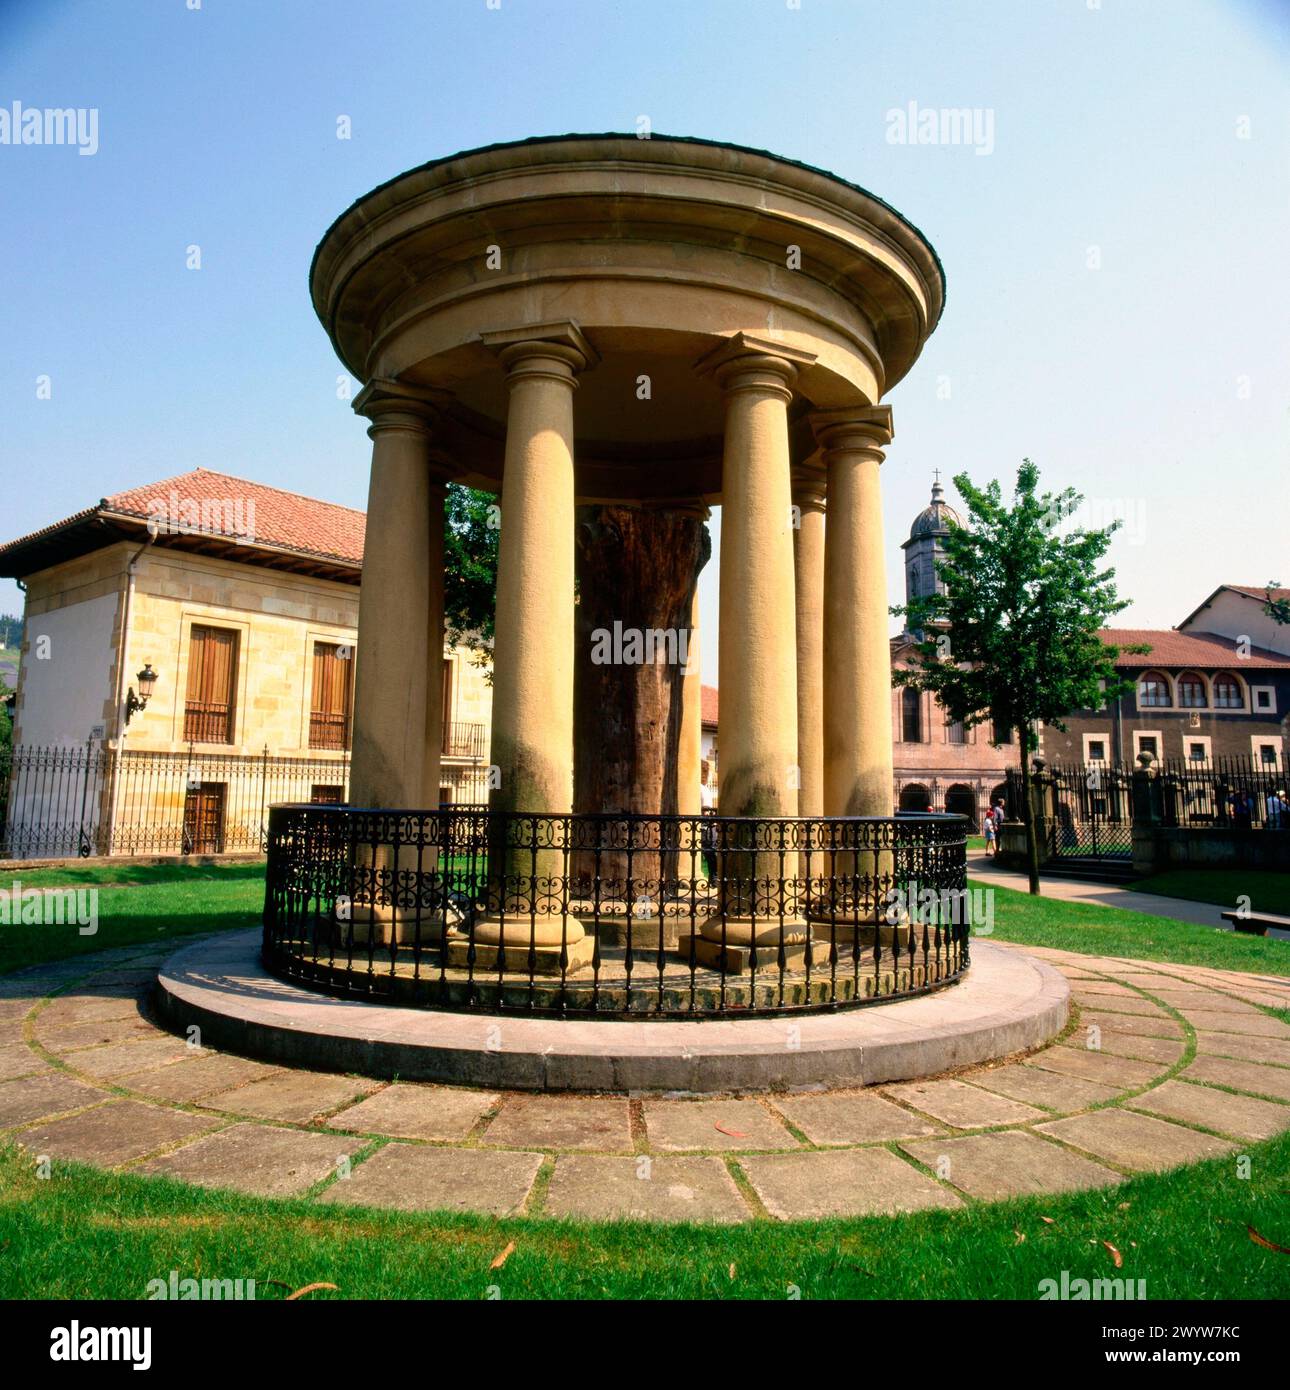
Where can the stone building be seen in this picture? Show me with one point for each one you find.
(241, 600)
(1215, 687)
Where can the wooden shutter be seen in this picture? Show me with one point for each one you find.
(212, 680)
(330, 704)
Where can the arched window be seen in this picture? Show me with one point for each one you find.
(911, 716)
(1227, 692)
(1191, 691)
(1153, 690)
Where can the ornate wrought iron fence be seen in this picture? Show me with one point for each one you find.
(615, 915)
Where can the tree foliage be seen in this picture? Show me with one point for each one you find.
(1278, 609)
(1014, 637)
(470, 568)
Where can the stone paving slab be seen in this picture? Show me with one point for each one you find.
(841, 1182)
(963, 1106)
(114, 1133)
(418, 1112)
(300, 1096)
(851, 1117)
(1255, 1024)
(410, 1177)
(1163, 1051)
(47, 1093)
(594, 1187)
(125, 1058)
(203, 1074)
(1253, 1077)
(68, 1011)
(259, 1159)
(1049, 1089)
(124, 1028)
(1011, 1163)
(1131, 1025)
(1129, 1003)
(714, 1124)
(1092, 986)
(1243, 1116)
(1184, 1000)
(1121, 1072)
(1245, 1047)
(1135, 1141)
(17, 1059)
(12, 1032)
(559, 1122)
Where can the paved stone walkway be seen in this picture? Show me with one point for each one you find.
(1162, 1065)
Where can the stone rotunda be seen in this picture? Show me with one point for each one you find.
(613, 335)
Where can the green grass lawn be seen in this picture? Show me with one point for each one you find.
(1113, 931)
(137, 904)
(152, 903)
(83, 1234)
(1267, 890)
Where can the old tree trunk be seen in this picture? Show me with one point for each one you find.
(637, 569)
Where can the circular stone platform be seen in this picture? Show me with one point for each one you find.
(1008, 1003)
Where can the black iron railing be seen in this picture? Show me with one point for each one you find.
(88, 799)
(615, 915)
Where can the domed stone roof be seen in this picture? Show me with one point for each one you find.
(937, 516)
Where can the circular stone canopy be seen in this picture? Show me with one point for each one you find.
(657, 250)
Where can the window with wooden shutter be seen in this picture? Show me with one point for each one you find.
(212, 681)
(329, 712)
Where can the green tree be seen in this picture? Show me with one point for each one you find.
(10, 630)
(470, 568)
(1278, 609)
(1014, 637)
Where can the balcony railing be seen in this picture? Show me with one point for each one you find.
(465, 740)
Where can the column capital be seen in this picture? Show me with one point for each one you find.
(747, 362)
(849, 429)
(809, 484)
(555, 350)
(394, 405)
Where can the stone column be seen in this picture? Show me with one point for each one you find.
(858, 775)
(395, 759)
(689, 800)
(758, 767)
(808, 570)
(395, 603)
(533, 659)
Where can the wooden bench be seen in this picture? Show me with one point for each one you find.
(1255, 923)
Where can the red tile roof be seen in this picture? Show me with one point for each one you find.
(250, 515)
(1207, 650)
(708, 705)
(286, 519)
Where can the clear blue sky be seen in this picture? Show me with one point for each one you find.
(1158, 384)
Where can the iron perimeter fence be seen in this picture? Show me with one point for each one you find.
(90, 799)
(1089, 809)
(615, 916)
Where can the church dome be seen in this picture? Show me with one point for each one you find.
(937, 517)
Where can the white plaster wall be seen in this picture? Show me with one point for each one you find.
(1235, 617)
(63, 695)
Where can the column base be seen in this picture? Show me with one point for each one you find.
(380, 927)
(736, 959)
(513, 958)
(861, 932)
